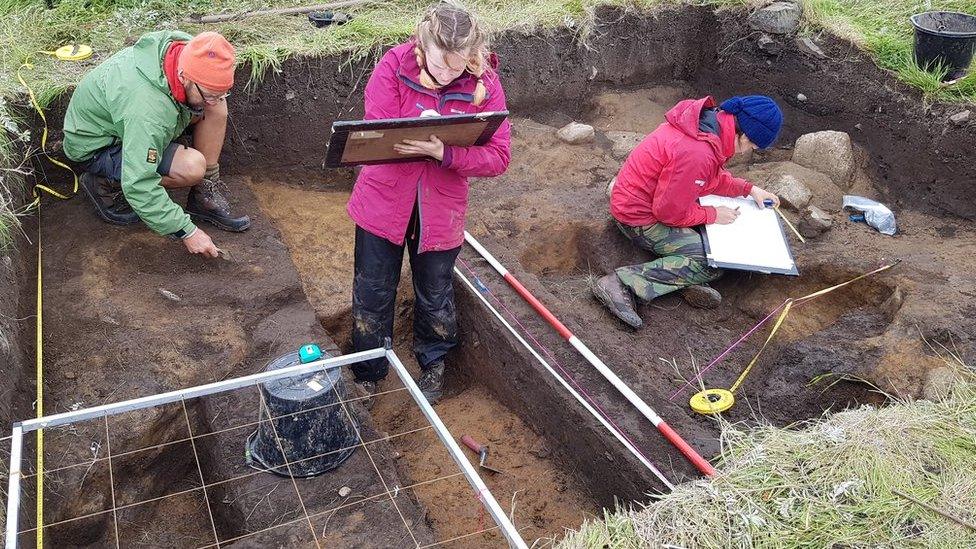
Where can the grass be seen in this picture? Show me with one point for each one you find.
(830, 483)
(883, 28)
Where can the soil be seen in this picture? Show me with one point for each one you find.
(545, 500)
(111, 334)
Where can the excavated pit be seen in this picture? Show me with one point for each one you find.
(289, 281)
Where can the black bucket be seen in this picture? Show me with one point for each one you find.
(314, 442)
(946, 39)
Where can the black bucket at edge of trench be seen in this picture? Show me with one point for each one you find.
(314, 442)
(944, 38)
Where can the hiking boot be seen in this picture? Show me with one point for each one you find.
(207, 202)
(106, 195)
(617, 298)
(431, 382)
(702, 296)
(365, 391)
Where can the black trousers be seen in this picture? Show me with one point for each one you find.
(377, 275)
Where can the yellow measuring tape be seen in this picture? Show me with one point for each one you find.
(713, 401)
(74, 53)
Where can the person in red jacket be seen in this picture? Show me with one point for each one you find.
(655, 198)
(444, 69)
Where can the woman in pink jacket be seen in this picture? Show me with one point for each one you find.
(420, 206)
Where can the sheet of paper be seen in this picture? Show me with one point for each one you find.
(755, 241)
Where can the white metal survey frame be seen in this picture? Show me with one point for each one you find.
(22, 427)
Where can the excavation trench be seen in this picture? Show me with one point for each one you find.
(289, 282)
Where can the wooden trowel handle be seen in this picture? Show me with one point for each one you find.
(471, 443)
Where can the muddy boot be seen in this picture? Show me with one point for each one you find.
(617, 298)
(207, 202)
(106, 195)
(365, 391)
(431, 382)
(702, 296)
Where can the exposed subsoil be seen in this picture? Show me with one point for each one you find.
(111, 335)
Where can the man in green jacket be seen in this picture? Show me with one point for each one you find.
(122, 123)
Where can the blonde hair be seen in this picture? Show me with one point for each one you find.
(453, 29)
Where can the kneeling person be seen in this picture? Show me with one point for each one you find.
(122, 122)
(655, 198)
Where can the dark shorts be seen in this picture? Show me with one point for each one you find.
(107, 162)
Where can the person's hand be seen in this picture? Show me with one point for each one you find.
(759, 195)
(433, 148)
(725, 215)
(200, 243)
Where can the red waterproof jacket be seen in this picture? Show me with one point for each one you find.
(672, 167)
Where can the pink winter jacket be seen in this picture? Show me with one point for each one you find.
(384, 195)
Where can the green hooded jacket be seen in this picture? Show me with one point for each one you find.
(127, 99)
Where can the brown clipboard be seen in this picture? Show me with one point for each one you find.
(363, 142)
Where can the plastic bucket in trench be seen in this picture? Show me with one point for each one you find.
(946, 39)
(314, 442)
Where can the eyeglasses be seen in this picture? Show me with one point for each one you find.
(209, 98)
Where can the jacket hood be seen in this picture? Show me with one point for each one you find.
(686, 117)
(148, 53)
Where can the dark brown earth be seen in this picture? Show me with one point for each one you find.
(110, 334)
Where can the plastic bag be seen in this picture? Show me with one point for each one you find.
(876, 214)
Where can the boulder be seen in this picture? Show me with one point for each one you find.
(825, 195)
(827, 152)
(575, 133)
(814, 222)
(623, 143)
(776, 18)
(791, 191)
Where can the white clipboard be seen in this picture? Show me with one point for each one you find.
(755, 241)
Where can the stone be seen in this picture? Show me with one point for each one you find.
(791, 191)
(961, 118)
(70, 375)
(938, 383)
(814, 222)
(806, 45)
(768, 45)
(776, 18)
(575, 133)
(828, 152)
(623, 143)
(344, 491)
(826, 195)
(800, 97)
(168, 295)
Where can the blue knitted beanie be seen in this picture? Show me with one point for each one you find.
(758, 117)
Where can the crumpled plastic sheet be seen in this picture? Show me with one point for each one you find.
(876, 214)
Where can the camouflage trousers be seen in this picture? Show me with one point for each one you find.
(681, 261)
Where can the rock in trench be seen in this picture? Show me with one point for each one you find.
(806, 45)
(575, 133)
(623, 143)
(791, 191)
(776, 18)
(814, 222)
(828, 152)
(961, 118)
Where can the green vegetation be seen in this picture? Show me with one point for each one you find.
(829, 483)
(882, 28)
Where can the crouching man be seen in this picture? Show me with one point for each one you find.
(655, 198)
(122, 124)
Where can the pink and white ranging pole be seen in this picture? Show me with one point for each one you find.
(673, 437)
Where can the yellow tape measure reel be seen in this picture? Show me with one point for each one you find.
(712, 401)
(72, 52)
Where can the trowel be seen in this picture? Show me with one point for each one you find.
(481, 450)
